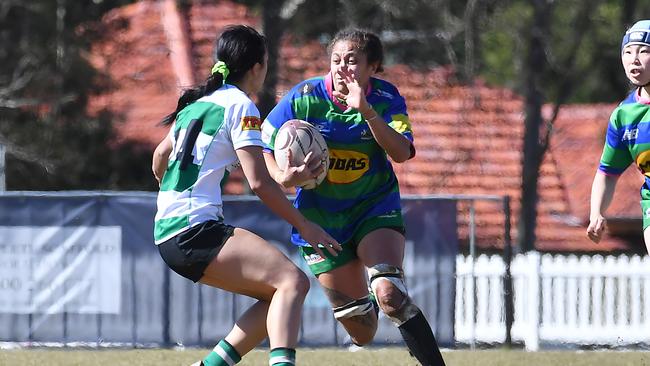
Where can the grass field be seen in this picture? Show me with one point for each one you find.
(323, 357)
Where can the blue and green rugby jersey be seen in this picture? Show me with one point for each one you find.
(360, 183)
(628, 140)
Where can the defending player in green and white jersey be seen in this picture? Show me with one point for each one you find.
(215, 127)
(204, 139)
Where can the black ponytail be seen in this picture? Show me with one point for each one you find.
(191, 95)
(240, 47)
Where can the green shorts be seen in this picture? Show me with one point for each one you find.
(645, 212)
(318, 264)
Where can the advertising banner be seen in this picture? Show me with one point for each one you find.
(82, 267)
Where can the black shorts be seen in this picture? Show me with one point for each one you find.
(190, 252)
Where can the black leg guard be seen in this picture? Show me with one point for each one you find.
(420, 341)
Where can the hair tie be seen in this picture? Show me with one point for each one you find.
(222, 69)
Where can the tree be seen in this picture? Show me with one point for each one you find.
(539, 60)
(273, 24)
(51, 141)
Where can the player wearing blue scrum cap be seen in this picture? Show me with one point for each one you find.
(628, 134)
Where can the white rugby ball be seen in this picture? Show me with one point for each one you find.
(301, 137)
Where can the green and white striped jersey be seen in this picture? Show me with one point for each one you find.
(204, 137)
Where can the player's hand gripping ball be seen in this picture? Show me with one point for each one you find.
(301, 138)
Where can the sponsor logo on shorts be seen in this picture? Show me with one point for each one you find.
(347, 166)
(251, 123)
(313, 259)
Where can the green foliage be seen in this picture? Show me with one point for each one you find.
(45, 82)
(597, 76)
(503, 48)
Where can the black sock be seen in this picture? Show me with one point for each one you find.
(420, 341)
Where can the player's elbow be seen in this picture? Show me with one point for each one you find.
(399, 159)
(256, 185)
(261, 184)
(403, 155)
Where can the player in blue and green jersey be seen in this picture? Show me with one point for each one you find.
(364, 122)
(628, 134)
(215, 128)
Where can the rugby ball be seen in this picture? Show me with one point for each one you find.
(301, 138)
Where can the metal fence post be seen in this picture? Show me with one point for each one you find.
(3, 180)
(166, 313)
(508, 300)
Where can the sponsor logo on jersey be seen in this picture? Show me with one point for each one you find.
(646, 213)
(306, 88)
(630, 134)
(347, 166)
(366, 134)
(313, 259)
(643, 162)
(251, 123)
(384, 94)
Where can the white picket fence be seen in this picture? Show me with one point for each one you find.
(557, 299)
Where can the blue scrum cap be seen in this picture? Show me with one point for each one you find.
(639, 33)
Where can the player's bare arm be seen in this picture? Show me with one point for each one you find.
(265, 188)
(161, 158)
(290, 176)
(602, 192)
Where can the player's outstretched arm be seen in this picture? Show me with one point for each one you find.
(270, 193)
(161, 158)
(602, 192)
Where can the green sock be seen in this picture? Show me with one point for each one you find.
(282, 356)
(223, 354)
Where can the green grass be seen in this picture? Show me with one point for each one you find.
(322, 357)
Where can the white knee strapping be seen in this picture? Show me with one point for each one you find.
(355, 308)
(386, 272)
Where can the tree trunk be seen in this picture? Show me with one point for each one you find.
(471, 39)
(536, 65)
(627, 13)
(273, 29)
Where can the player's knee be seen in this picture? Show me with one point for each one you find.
(387, 283)
(362, 338)
(359, 319)
(296, 281)
(389, 298)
